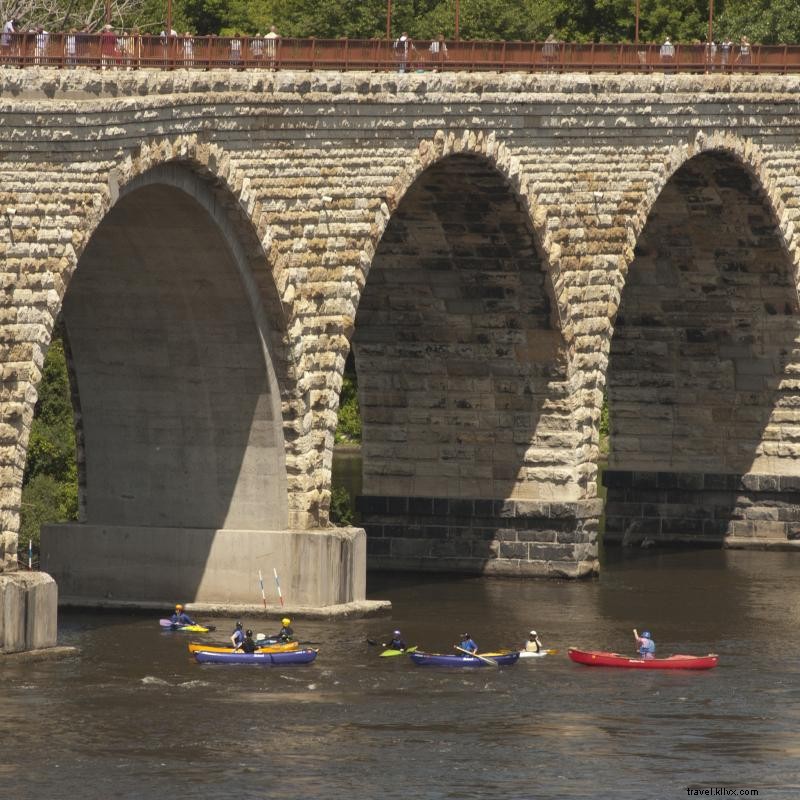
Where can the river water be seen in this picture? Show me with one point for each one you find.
(134, 717)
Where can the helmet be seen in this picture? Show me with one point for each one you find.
(396, 633)
(465, 636)
(238, 626)
(286, 621)
(179, 607)
(533, 633)
(646, 634)
(248, 632)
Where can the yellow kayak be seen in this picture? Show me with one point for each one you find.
(196, 647)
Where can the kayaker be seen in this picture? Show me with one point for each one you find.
(247, 645)
(396, 642)
(645, 644)
(467, 643)
(285, 633)
(180, 617)
(237, 637)
(533, 645)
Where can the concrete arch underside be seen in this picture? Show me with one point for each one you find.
(701, 382)
(185, 485)
(468, 442)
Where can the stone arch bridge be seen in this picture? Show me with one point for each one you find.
(497, 252)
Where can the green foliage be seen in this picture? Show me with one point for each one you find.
(764, 21)
(348, 429)
(50, 484)
(342, 506)
(605, 426)
(45, 499)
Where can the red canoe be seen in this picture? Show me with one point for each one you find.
(594, 658)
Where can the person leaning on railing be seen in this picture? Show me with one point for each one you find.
(438, 51)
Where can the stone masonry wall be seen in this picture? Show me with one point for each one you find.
(317, 164)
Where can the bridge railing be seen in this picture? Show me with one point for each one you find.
(129, 51)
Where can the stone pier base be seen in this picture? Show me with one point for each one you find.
(494, 537)
(702, 508)
(110, 565)
(28, 611)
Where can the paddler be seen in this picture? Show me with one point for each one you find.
(645, 644)
(533, 645)
(247, 645)
(180, 617)
(396, 642)
(285, 633)
(468, 643)
(237, 637)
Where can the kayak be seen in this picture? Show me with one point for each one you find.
(390, 652)
(169, 625)
(305, 656)
(447, 660)
(195, 647)
(532, 654)
(596, 658)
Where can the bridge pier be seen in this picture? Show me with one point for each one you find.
(28, 611)
(114, 564)
(702, 508)
(493, 537)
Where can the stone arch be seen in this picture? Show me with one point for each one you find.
(464, 374)
(747, 154)
(496, 153)
(201, 396)
(704, 352)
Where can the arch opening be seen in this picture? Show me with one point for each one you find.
(180, 428)
(462, 376)
(700, 382)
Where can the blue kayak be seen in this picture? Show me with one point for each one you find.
(264, 659)
(447, 660)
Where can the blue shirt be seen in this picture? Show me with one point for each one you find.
(182, 619)
(647, 647)
(238, 636)
(469, 644)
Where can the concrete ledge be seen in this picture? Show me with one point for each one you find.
(47, 654)
(740, 543)
(501, 567)
(28, 611)
(357, 608)
(106, 565)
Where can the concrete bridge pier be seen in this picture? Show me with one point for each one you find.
(28, 611)
(117, 565)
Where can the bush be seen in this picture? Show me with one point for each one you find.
(348, 428)
(342, 506)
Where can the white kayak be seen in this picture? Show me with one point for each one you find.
(534, 654)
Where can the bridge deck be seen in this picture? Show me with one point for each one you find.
(128, 51)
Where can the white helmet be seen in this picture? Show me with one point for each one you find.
(533, 633)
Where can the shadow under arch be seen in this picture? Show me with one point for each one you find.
(700, 378)
(468, 452)
(178, 365)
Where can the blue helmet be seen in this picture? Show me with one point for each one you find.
(646, 635)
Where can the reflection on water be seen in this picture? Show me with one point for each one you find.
(135, 717)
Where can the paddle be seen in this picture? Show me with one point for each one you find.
(490, 661)
(168, 623)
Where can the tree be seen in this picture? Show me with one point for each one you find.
(50, 483)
